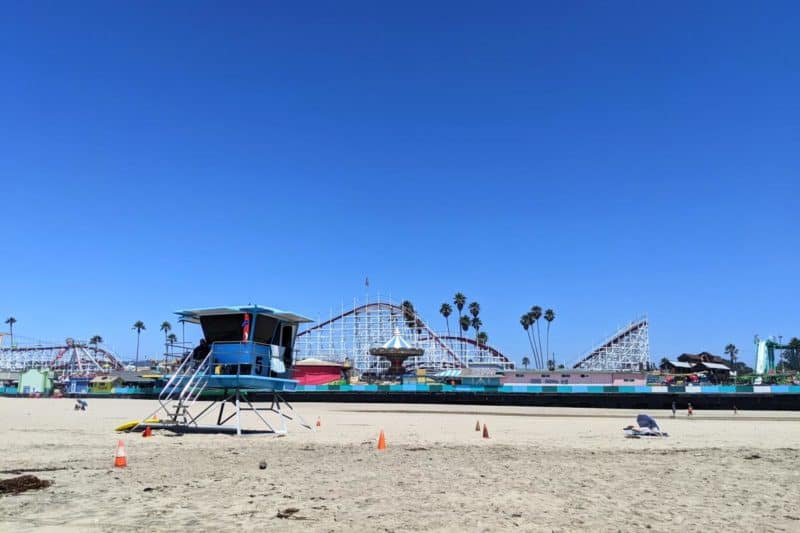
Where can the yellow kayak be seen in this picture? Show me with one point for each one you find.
(133, 423)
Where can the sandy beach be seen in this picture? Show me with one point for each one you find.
(540, 470)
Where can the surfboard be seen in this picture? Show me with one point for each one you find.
(127, 426)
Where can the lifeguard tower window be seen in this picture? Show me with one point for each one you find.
(287, 338)
(222, 328)
(265, 329)
(228, 328)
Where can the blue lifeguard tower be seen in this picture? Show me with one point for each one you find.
(249, 354)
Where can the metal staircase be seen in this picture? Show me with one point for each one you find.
(182, 390)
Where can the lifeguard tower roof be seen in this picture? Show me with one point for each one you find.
(193, 315)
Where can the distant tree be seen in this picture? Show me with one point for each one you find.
(476, 324)
(551, 365)
(409, 314)
(549, 315)
(166, 327)
(465, 323)
(446, 311)
(475, 309)
(171, 340)
(525, 322)
(536, 314)
(526, 362)
(459, 300)
(95, 340)
(664, 364)
(483, 338)
(732, 351)
(561, 366)
(742, 369)
(790, 357)
(11, 321)
(138, 326)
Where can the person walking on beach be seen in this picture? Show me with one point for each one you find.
(674, 408)
(689, 409)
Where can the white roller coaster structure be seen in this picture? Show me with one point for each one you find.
(71, 358)
(628, 349)
(350, 334)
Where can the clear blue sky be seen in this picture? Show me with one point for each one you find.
(605, 159)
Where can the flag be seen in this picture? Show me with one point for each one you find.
(246, 328)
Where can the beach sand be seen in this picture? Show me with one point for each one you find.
(542, 469)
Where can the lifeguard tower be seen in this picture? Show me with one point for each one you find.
(250, 354)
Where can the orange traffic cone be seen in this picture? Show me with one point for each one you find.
(121, 460)
(319, 422)
(477, 425)
(148, 432)
(382, 441)
(485, 432)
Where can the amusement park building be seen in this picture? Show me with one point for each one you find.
(35, 381)
(317, 372)
(702, 357)
(575, 377)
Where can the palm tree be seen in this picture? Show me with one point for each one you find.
(526, 362)
(171, 340)
(138, 326)
(483, 339)
(525, 321)
(464, 322)
(536, 314)
(409, 314)
(166, 327)
(97, 339)
(446, 311)
(549, 315)
(732, 351)
(476, 324)
(475, 309)
(11, 321)
(460, 300)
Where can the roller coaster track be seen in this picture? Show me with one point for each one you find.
(627, 349)
(80, 358)
(352, 332)
(472, 342)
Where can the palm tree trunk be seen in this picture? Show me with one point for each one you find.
(138, 333)
(548, 338)
(460, 342)
(539, 335)
(533, 349)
